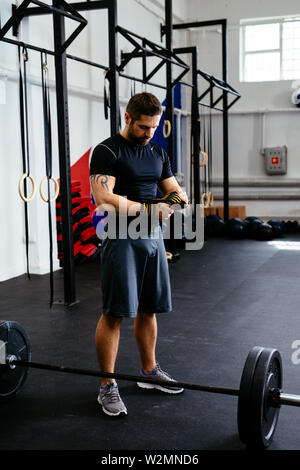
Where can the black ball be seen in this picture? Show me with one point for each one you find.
(277, 226)
(252, 219)
(214, 225)
(264, 231)
(252, 226)
(236, 227)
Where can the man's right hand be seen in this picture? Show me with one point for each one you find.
(162, 210)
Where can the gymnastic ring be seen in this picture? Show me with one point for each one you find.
(167, 133)
(56, 189)
(169, 255)
(27, 199)
(205, 198)
(210, 198)
(205, 158)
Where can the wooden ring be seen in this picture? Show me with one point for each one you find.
(167, 133)
(205, 158)
(56, 189)
(210, 198)
(205, 197)
(27, 199)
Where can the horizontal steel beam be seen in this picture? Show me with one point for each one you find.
(79, 6)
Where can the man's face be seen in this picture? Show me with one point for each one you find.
(142, 130)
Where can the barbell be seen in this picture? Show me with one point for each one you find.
(259, 394)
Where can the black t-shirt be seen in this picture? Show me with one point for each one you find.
(137, 168)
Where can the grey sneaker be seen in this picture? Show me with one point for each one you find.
(110, 400)
(158, 374)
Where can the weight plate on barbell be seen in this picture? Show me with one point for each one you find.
(244, 411)
(17, 344)
(257, 416)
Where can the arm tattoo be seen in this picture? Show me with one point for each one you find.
(103, 180)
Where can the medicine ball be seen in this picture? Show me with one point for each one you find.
(291, 226)
(236, 227)
(264, 231)
(252, 224)
(277, 226)
(214, 225)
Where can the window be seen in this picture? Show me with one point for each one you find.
(270, 49)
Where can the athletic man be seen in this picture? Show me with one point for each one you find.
(125, 172)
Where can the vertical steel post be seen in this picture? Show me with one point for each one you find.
(225, 123)
(113, 61)
(64, 156)
(170, 93)
(170, 104)
(195, 129)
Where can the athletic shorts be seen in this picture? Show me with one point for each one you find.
(135, 276)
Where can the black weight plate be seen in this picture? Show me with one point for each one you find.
(257, 418)
(17, 344)
(244, 415)
(268, 376)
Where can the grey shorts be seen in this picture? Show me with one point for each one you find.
(135, 276)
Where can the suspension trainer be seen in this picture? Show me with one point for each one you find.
(48, 160)
(23, 105)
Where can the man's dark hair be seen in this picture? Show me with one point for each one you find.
(143, 103)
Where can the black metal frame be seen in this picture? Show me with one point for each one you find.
(227, 89)
(215, 82)
(193, 51)
(60, 9)
(66, 10)
(148, 49)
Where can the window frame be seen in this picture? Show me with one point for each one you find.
(243, 53)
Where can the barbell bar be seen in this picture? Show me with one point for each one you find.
(259, 395)
(12, 361)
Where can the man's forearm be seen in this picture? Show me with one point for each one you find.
(119, 204)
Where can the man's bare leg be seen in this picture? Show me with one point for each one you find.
(107, 339)
(145, 331)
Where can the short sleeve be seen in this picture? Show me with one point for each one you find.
(103, 161)
(166, 171)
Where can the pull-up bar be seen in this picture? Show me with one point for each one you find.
(218, 83)
(68, 11)
(146, 49)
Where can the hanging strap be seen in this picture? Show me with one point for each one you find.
(199, 140)
(205, 149)
(24, 144)
(132, 87)
(192, 152)
(106, 96)
(210, 150)
(48, 158)
(120, 121)
(107, 99)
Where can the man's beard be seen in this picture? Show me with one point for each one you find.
(133, 138)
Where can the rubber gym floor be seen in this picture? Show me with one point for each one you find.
(227, 297)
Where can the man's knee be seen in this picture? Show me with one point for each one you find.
(145, 315)
(112, 322)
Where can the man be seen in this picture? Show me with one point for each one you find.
(125, 172)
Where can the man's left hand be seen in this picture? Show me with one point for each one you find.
(183, 195)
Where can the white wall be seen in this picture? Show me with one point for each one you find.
(86, 115)
(251, 126)
(263, 117)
